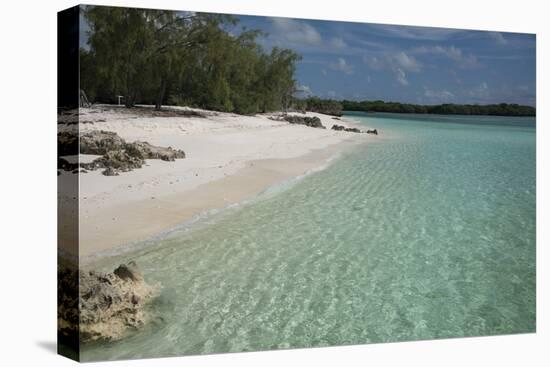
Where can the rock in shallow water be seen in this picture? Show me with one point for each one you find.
(129, 271)
(109, 304)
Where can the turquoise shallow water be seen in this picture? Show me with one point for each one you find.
(426, 232)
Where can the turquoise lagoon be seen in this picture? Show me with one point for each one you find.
(427, 231)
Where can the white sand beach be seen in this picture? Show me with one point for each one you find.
(228, 158)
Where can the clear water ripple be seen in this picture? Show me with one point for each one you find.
(429, 233)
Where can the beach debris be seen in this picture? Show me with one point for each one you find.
(103, 306)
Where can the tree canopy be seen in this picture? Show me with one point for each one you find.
(159, 56)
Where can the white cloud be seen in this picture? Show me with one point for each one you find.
(416, 33)
(337, 42)
(406, 62)
(439, 96)
(374, 62)
(297, 31)
(487, 93)
(460, 58)
(480, 92)
(498, 37)
(342, 65)
(399, 63)
(401, 77)
(331, 93)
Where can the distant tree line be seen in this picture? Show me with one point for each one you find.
(335, 107)
(502, 109)
(165, 57)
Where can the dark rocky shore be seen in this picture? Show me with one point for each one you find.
(305, 120)
(315, 122)
(353, 129)
(117, 155)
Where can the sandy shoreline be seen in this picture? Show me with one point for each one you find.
(230, 158)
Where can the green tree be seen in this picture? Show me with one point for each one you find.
(153, 56)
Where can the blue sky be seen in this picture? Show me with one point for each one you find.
(425, 65)
(358, 61)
